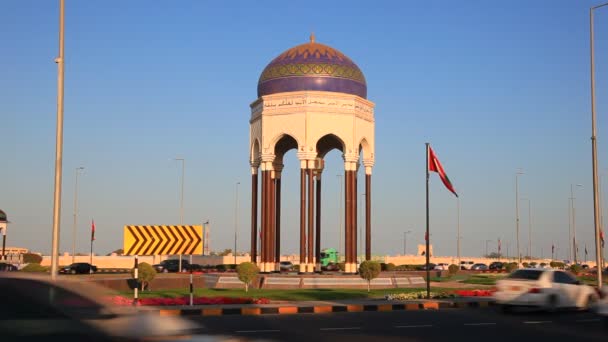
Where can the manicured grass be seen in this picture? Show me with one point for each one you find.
(482, 279)
(288, 295)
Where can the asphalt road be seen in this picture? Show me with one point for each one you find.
(441, 325)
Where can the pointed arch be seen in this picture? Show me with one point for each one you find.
(256, 153)
(364, 146)
(327, 143)
(283, 143)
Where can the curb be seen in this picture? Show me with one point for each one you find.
(319, 309)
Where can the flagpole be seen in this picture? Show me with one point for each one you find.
(427, 235)
(91, 261)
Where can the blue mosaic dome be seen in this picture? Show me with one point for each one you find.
(312, 66)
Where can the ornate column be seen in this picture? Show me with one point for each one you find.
(254, 213)
(310, 243)
(272, 223)
(350, 167)
(277, 170)
(318, 222)
(303, 166)
(264, 221)
(368, 212)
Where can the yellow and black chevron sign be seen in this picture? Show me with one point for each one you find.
(163, 240)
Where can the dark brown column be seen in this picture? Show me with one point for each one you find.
(271, 218)
(268, 227)
(263, 225)
(278, 220)
(318, 219)
(311, 209)
(368, 217)
(302, 218)
(254, 217)
(347, 227)
(355, 217)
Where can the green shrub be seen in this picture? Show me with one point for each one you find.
(576, 268)
(34, 267)
(512, 266)
(31, 258)
(525, 265)
(369, 270)
(557, 264)
(453, 269)
(341, 266)
(533, 263)
(221, 268)
(390, 267)
(247, 272)
(145, 274)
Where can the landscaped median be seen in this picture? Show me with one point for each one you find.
(234, 302)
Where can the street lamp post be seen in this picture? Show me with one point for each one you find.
(58, 145)
(487, 241)
(236, 218)
(458, 230)
(573, 213)
(596, 206)
(405, 241)
(519, 172)
(529, 227)
(78, 169)
(3, 226)
(181, 205)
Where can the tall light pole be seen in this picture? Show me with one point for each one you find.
(236, 218)
(487, 241)
(596, 204)
(573, 211)
(181, 205)
(340, 199)
(58, 145)
(529, 228)
(78, 169)
(405, 241)
(519, 172)
(458, 233)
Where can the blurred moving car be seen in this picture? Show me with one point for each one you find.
(466, 265)
(496, 265)
(79, 268)
(286, 266)
(172, 265)
(41, 309)
(602, 307)
(543, 288)
(423, 267)
(6, 267)
(479, 267)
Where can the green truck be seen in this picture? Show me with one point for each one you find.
(329, 259)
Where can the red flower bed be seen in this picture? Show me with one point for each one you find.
(474, 293)
(120, 300)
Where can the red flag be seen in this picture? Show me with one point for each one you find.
(435, 166)
(92, 230)
(426, 236)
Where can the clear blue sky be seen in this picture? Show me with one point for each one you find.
(493, 86)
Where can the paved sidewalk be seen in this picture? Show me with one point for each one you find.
(302, 307)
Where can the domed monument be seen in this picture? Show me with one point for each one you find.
(311, 98)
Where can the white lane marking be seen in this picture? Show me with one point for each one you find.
(414, 326)
(537, 322)
(350, 328)
(589, 320)
(256, 331)
(479, 324)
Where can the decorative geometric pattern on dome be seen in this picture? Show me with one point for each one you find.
(312, 66)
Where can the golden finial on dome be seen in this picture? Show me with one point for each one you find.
(312, 37)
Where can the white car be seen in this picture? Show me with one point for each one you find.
(544, 288)
(441, 267)
(466, 265)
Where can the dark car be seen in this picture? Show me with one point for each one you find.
(36, 308)
(79, 268)
(423, 267)
(4, 267)
(496, 265)
(172, 265)
(479, 267)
